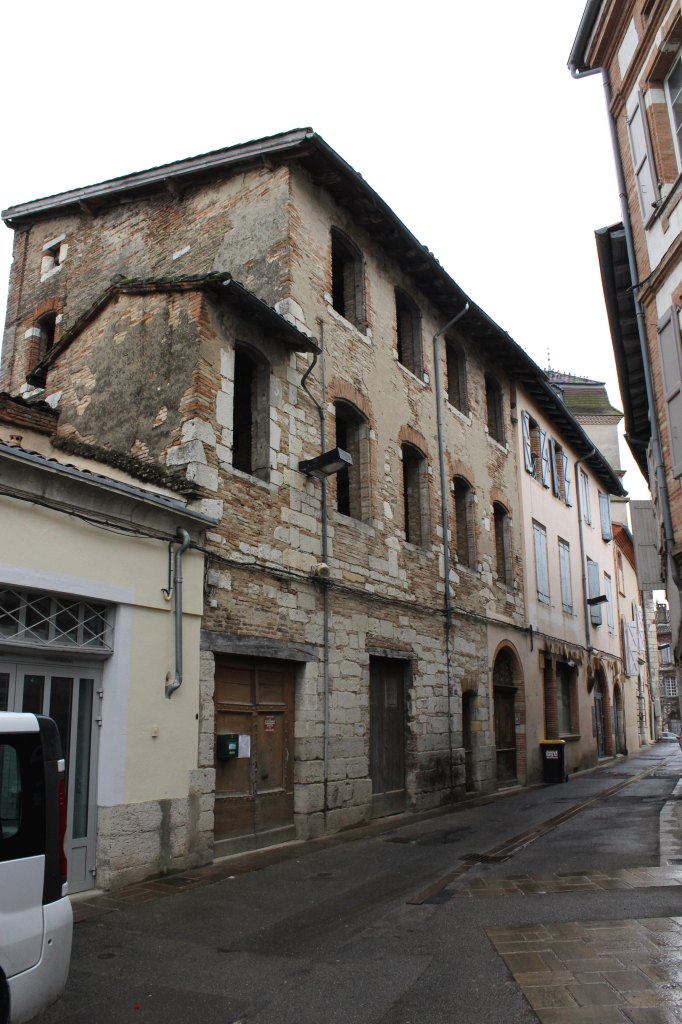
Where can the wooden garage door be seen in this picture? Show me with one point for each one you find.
(254, 754)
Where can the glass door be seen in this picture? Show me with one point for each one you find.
(70, 696)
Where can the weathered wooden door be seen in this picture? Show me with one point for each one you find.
(599, 719)
(254, 756)
(505, 734)
(467, 740)
(387, 735)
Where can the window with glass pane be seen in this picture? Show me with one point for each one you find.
(673, 92)
(42, 620)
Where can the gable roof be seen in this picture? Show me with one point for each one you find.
(330, 171)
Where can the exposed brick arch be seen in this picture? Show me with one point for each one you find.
(408, 435)
(341, 391)
(455, 467)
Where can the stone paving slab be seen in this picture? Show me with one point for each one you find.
(525, 885)
(605, 972)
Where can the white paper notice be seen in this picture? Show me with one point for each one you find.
(244, 746)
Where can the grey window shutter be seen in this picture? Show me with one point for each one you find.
(565, 573)
(593, 588)
(544, 456)
(642, 160)
(567, 479)
(605, 516)
(527, 451)
(671, 366)
(541, 567)
(553, 467)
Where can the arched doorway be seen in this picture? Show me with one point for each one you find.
(504, 691)
(468, 705)
(619, 706)
(600, 715)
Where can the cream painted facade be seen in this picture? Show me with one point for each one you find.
(63, 540)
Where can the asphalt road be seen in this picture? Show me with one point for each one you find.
(369, 931)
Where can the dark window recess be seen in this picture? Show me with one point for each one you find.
(456, 367)
(464, 522)
(414, 495)
(502, 523)
(251, 415)
(494, 407)
(408, 327)
(347, 280)
(352, 485)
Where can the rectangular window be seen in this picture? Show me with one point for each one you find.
(666, 654)
(566, 699)
(673, 97)
(671, 688)
(585, 496)
(641, 160)
(593, 591)
(609, 601)
(567, 479)
(541, 564)
(605, 516)
(565, 575)
(671, 367)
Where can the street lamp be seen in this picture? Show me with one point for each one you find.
(327, 464)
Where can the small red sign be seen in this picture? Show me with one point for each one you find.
(269, 723)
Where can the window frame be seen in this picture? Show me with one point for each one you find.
(675, 130)
(454, 356)
(464, 500)
(494, 409)
(356, 443)
(405, 305)
(415, 519)
(345, 254)
(503, 553)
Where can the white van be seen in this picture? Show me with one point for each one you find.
(36, 920)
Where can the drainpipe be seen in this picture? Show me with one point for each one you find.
(659, 469)
(325, 559)
(444, 517)
(184, 539)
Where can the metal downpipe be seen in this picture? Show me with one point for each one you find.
(444, 518)
(176, 683)
(583, 565)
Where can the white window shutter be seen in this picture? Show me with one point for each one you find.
(527, 450)
(544, 457)
(671, 366)
(567, 478)
(605, 516)
(565, 573)
(541, 567)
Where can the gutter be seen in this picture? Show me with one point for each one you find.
(176, 683)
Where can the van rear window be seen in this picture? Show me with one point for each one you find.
(22, 796)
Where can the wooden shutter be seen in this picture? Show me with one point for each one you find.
(605, 516)
(593, 590)
(544, 457)
(527, 450)
(671, 369)
(642, 160)
(541, 567)
(567, 479)
(565, 575)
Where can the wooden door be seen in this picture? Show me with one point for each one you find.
(505, 734)
(387, 735)
(467, 740)
(254, 756)
(600, 721)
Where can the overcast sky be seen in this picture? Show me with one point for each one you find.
(462, 116)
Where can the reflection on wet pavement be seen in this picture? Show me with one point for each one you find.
(590, 881)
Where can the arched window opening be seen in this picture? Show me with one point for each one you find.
(415, 495)
(352, 482)
(504, 692)
(347, 280)
(251, 415)
(465, 532)
(408, 327)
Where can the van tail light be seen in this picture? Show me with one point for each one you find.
(62, 828)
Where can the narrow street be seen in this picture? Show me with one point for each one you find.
(411, 924)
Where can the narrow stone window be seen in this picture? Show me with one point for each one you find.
(415, 495)
(352, 484)
(502, 525)
(47, 325)
(347, 280)
(54, 254)
(251, 414)
(408, 328)
(456, 368)
(494, 409)
(465, 533)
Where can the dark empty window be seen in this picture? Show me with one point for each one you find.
(347, 280)
(251, 415)
(502, 525)
(464, 522)
(352, 483)
(456, 367)
(408, 328)
(493, 403)
(415, 495)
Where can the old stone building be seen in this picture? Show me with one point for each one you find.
(636, 46)
(246, 318)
